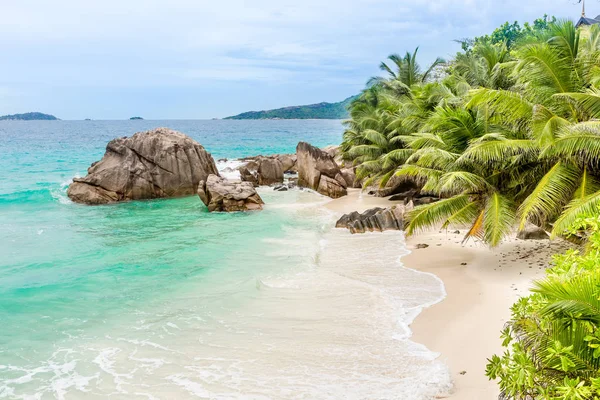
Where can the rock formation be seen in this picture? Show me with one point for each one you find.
(152, 164)
(270, 171)
(219, 194)
(376, 219)
(349, 175)
(397, 185)
(318, 171)
(266, 170)
(532, 232)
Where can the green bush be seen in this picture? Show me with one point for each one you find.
(553, 338)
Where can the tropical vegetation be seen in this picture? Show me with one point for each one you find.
(552, 340)
(505, 134)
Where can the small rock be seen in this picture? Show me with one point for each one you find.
(532, 232)
(421, 246)
(463, 263)
(219, 194)
(462, 372)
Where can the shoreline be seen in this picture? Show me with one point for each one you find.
(481, 284)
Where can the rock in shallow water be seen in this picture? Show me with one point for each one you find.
(375, 219)
(219, 194)
(152, 164)
(266, 170)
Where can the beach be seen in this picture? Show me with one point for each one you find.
(481, 285)
(163, 299)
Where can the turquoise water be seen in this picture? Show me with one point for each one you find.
(163, 300)
(67, 270)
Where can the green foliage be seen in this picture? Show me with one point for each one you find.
(552, 340)
(312, 111)
(511, 34)
(512, 127)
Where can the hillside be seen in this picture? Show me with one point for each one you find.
(311, 111)
(30, 116)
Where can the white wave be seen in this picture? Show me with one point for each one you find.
(229, 169)
(60, 193)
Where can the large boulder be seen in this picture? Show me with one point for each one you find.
(332, 150)
(318, 171)
(349, 175)
(288, 161)
(270, 171)
(373, 220)
(532, 232)
(219, 194)
(152, 164)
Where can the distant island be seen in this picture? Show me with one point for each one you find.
(132, 118)
(30, 116)
(311, 111)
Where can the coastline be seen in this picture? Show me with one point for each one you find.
(481, 285)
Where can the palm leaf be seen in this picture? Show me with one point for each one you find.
(582, 207)
(462, 181)
(589, 101)
(552, 192)
(498, 219)
(490, 152)
(428, 215)
(580, 142)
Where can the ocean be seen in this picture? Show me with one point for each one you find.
(162, 300)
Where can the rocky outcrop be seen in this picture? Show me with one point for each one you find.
(248, 175)
(376, 219)
(267, 170)
(532, 232)
(349, 175)
(332, 150)
(318, 171)
(288, 161)
(219, 194)
(270, 171)
(152, 164)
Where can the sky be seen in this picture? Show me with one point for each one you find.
(200, 59)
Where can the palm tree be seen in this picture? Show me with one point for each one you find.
(543, 151)
(404, 72)
(507, 137)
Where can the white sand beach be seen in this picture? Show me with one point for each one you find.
(481, 285)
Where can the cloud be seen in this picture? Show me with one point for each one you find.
(311, 50)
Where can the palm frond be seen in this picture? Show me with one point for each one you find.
(552, 192)
(462, 182)
(428, 215)
(587, 206)
(498, 219)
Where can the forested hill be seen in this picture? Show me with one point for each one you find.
(30, 116)
(311, 111)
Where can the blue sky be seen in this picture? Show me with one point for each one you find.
(113, 59)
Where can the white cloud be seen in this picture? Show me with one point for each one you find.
(152, 43)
